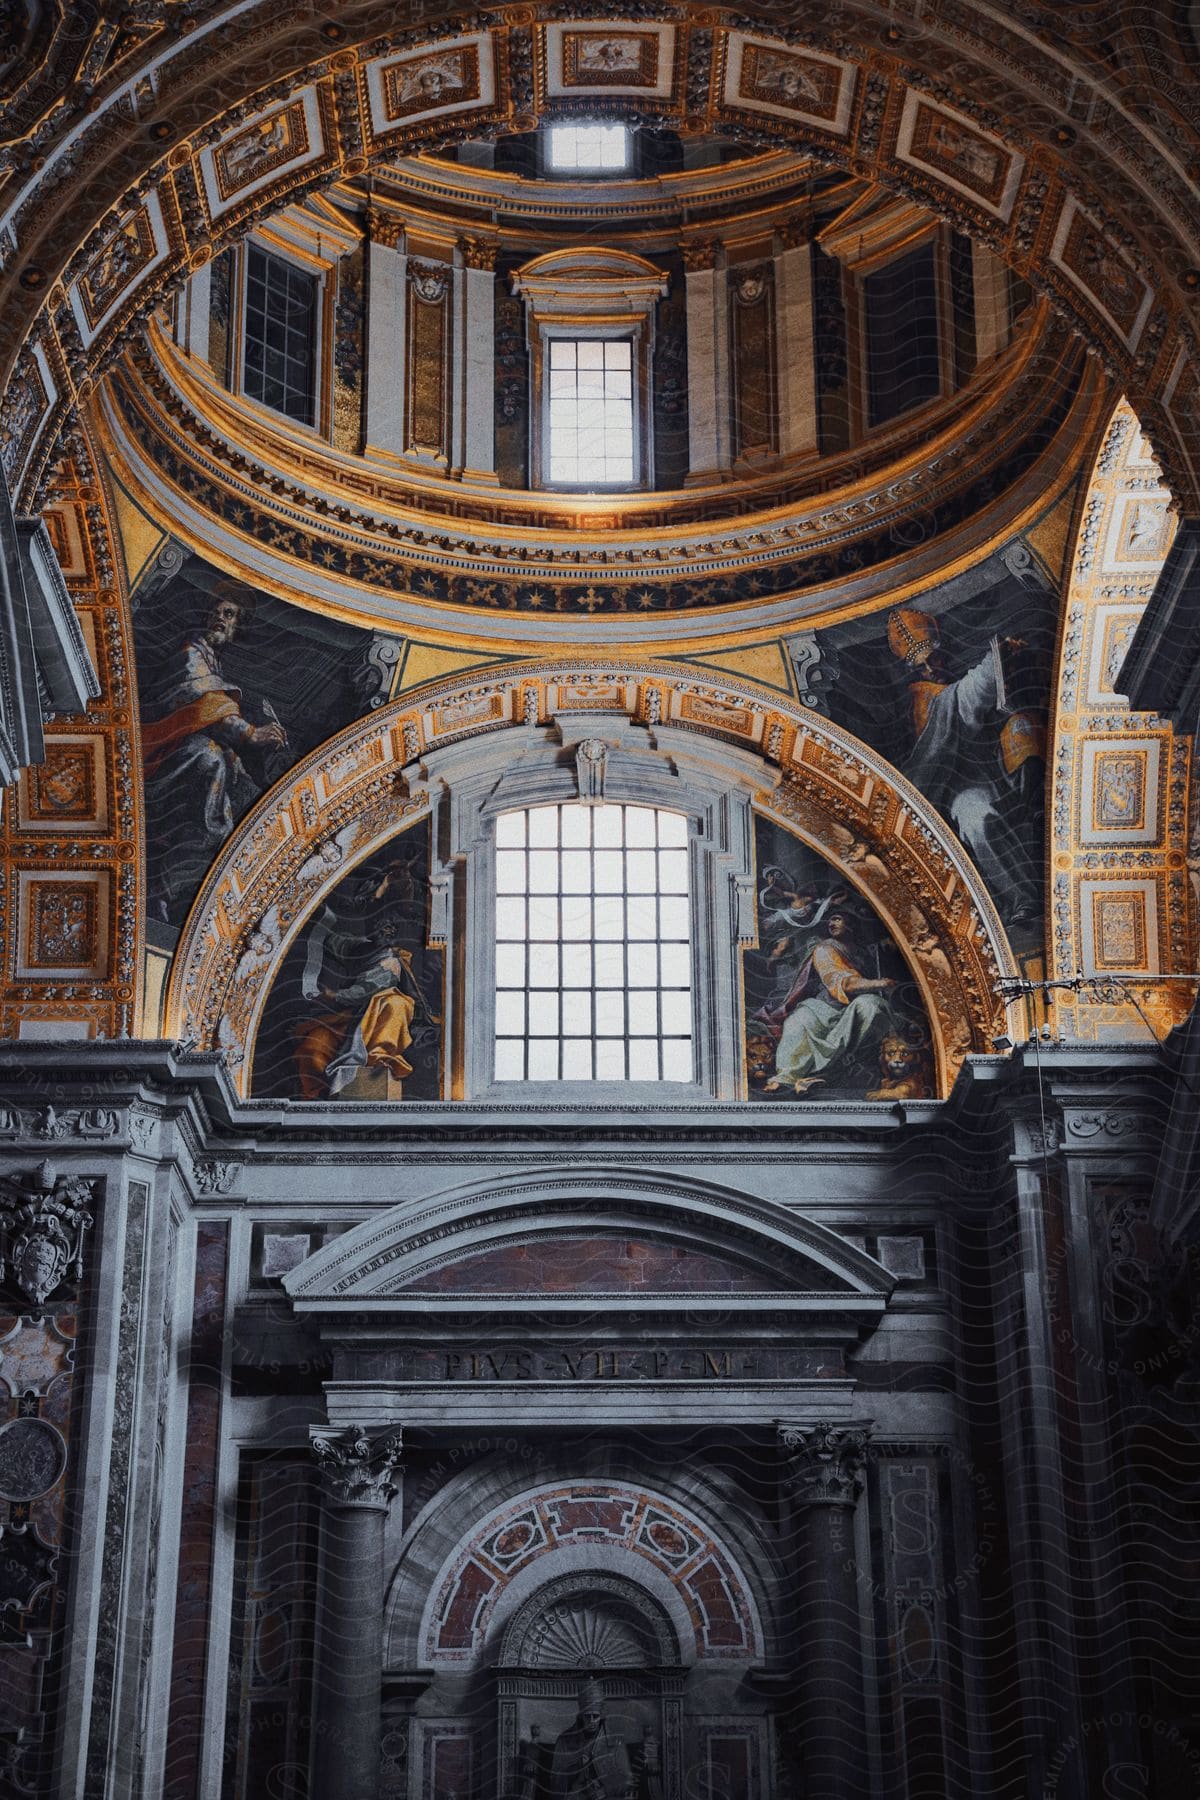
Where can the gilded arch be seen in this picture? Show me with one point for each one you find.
(348, 798)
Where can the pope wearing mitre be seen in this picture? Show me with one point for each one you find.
(589, 1762)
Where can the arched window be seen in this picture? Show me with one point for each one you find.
(593, 944)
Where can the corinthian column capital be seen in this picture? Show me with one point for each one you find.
(356, 1468)
(825, 1462)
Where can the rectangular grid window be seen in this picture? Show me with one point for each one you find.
(593, 945)
(591, 411)
(280, 340)
(592, 149)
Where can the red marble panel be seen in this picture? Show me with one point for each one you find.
(592, 1515)
(723, 1626)
(578, 1265)
(468, 1595)
(194, 1592)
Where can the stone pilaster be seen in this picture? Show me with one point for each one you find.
(710, 447)
(387, 315)
(358, 1477)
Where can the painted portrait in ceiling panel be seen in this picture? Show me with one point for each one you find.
(235, 686)
(956, 696)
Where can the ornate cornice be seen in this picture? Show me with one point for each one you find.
(1000, 450)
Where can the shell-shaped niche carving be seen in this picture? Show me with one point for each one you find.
(589, 1632)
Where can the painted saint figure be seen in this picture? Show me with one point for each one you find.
(833, 1011)
(195, 734)
(978, 758)
(360, 971)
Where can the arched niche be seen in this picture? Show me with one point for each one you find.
(102, 237)
(666, 733)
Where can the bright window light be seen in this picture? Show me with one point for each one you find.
(591, 411)
(593, 945)
(589, 148)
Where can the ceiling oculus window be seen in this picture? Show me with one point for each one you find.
(588, 149)
(593, 945)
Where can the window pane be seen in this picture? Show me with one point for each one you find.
(576, 872)
(643, 1059)
(543, 1014)
(510, 965)
(610, 871)
(543, 966)
(577, 965)
(677, 1059)
(640, 825)
(587, 988)
(510, 1014)
(577, 1059)
(510, 919)
(577, 1011)
(610, 1012)
(640, 871)
(590, 411)
(279, 337)
(510, 871)
(672, 872)
(643, 965)
(543, 1059)
(543, 871)
(590, 147)
(675, 963)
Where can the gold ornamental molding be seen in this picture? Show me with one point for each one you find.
(343, 532)
(1125, 878)
(182, 146)
(368, 783)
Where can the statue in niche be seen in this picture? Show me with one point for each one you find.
(588, 1761)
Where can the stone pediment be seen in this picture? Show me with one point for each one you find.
(599, 1238)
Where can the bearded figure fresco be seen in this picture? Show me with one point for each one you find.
(829, 1001)
(235, 687)
(355, 1011)
(955, 696)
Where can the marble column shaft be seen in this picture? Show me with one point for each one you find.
(824, 1480)
(358, 1480)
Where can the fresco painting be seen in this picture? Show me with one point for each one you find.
(957, 700)
(235, 686)
(355, 1012)
(831, 1008)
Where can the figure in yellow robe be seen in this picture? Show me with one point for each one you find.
(371, 1028)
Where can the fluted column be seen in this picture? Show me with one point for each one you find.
(357, 1474)
(824, 1478)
